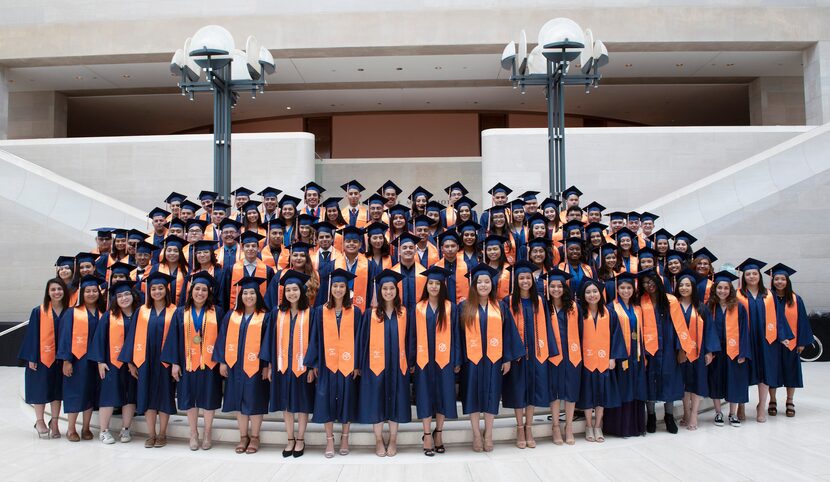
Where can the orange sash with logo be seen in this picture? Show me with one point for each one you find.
(625, 325)
(220, 254)
(732, 332)
(253, 342)
(696, 325)
(432, 254)
(494, 335)
(200, 354)
(420, 281)
(299, 343)
(261, 271)
(361, 282)
(541, 348)
(442, 336)
(450, 216)
(282, 260)
(339, 344)
(80, 331)
(116, 336)
(47, 336)
(462, 284)
(163, 268)
(596, 342)
(650, 336)
(141, 322)
(362, 215)
(791, 315)
(770, 320)
(377, 349)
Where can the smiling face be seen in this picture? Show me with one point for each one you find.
(483, 286)
(56, 293)
(525, 281)
(388, 291)
(685, 287)
(199, 292)
(292, 292)
(592, 295)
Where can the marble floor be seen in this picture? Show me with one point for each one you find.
(781, 449)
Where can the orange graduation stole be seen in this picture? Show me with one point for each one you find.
(420, 281)
(462, 284)
(574, 349)
(220, 254)
(696, 325)
(253, 342)
(80, 331)
(791, 315)
(770, 320)
(163, 268)
(377, 349)
(450, 216)
(141, 322)
(596, 342)
(339, 344)
(650, 336)
(47, 336)
(299, 343)
(260, 271)
(625, 326)
(116, 336)
(442, 336)
(541, 333)
(199, 344)
(282, 260)
(494, 335)
(732, 331)
(361, 282)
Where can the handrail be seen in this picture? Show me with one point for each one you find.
(14, 328)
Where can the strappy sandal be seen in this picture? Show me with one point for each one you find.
(790, 409)
(439, 449)
(556, 432)
(253, 445)
(531, 442)
(429, 452)
(759, 415)
(344, 438)
(589, 434)
(477, 444)
(772, 409)
(329, 454)
(598, 436)
(488, 442)
(392, 448)
(380, 448)
(243, 444)
(569, 437)
(194, 442)
(45, 433)
(54, 432)
(520, 437)
(288, 453)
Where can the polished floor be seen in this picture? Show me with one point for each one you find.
(781, 449)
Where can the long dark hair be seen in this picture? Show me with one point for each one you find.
(584, 304)
(48, 299)
(259, 307)
(714, 301)
(662, 300)
(604, 272)
(101, 303)
(285, 305)
(379, 311)
(694, 297)
(470, 311)
(115, 310)
(516, 296)
(208, 302)
(384, 249)
(443, 296)
(347, 299)
(181, 264)
(762, 290)
(567, 297)
(788, 291)
(168, 300)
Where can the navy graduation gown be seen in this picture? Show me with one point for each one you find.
(631, 381)
(696, 373)
(80, 391)
(435, 386)
(791, 376)
(335, 395)
(43, 385)
(383, 397)
(409, 297)
(765, 366)
(600, 388)
(481, 384)
(727, 378)
(664, 376)
(565, 378)
(527, 381)
(118, 388)
(244, 394)
(156, 389)
(289, 392)
(201, 388)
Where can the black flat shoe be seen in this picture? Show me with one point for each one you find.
(651, 423)
(289, 453)
(299, 453)
(671, 425)
(439, 449)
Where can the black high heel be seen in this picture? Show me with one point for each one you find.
(289, 453)
(428, 452)
(439, 449)
(299, 453)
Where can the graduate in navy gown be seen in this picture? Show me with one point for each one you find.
(117, 386)
(288, 338)
(666, 341)
(173, 263)
(435, 358)
(565, 369)
(80, 376)
(729, 371)
(602, 347)
(629, 419)
(239, 349)
(794, 333)
(526, 385)
(384, 364)
(488, 345)
(189, 351)
(705, 345)
(156, 389)
(759, 302)
(332, 353)
(470, 247)
(42, 376)
(205, 260)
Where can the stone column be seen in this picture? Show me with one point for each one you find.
(816, 61)
(4, 104)
(776, 101)
(37, 115)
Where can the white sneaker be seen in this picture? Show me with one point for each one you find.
(106, 437)
(125, 435)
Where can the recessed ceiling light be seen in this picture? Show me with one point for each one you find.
(463, 68)
(438, 67)
(79, 77)
(332, 105)
(334, 70)
(475, 102)
(399, 68)
(380, 103)
(361, 69)
(126, 76)
(730, 65)
(628, 66)
(678, 65)
(288, 107)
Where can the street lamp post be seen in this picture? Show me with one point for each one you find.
(227, 72)
(561, 42)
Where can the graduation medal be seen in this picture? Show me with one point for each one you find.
(197, 339)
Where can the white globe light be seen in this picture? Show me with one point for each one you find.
(239, 66)
(211, 38)
(559, 30)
